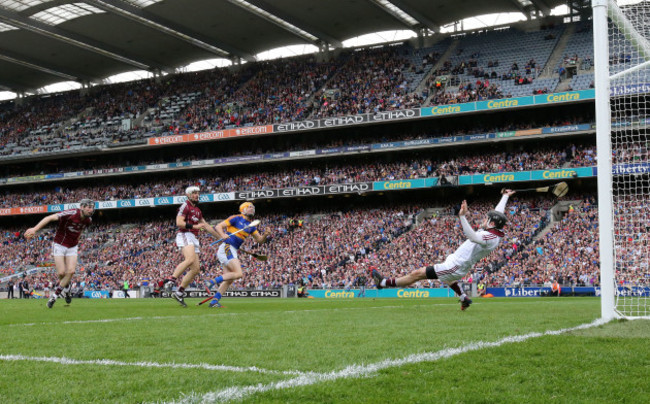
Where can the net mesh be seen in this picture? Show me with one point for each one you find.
(629, 49)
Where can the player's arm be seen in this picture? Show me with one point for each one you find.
(261, 238)
(467, 228)
(501, 206)
(206, 226)
(31, 232)
(221, 229)
(182, 224)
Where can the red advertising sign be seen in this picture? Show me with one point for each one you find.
(214, 135)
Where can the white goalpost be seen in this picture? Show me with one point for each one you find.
(622, 83)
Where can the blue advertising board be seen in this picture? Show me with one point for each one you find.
(96, 294)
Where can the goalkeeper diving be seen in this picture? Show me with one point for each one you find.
(479, 244)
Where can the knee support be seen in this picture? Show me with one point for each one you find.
(431, 273)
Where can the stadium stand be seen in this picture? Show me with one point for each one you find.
(337, 240)
(488, 65)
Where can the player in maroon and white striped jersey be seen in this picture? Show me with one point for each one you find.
(189, 221)
(65, 245)
(479, 244)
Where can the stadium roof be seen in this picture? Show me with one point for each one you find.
(49, 41)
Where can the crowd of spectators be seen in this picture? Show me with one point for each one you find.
(331, 249)
(371, 81)
(630, 152)
(366, 80)
(309, 174)
(467, 92)
(287, 145)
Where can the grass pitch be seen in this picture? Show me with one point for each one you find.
(320, 351)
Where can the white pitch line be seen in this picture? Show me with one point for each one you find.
(357, 371)
(248, 314)
(112, 320)
(109, 362)
(105, 320)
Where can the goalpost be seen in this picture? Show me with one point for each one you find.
(622, 83)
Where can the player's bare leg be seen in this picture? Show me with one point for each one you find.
(191, 261)
(189, 257)
(65, 268)
(66, 282)
(191, 274)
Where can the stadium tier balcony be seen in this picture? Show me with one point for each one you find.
(306, 174)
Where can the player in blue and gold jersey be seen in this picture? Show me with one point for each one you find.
(227, 252)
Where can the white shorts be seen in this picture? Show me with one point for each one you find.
(226, 253)
(185, 239)
(449, 272)
(61, 251)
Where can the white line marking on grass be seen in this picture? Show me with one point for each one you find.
(358, 371)
(248, 314)
(109, 362)
(221, 314)
(105, 320)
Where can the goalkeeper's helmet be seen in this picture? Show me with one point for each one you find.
(498, 218)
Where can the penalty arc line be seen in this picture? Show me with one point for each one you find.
(358, 371)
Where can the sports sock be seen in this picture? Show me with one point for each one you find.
(217, 295)
(463, 297)
(57, 291)
(218, 279)
(457, 289)
(389, 282)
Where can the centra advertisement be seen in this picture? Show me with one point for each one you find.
(374, 293)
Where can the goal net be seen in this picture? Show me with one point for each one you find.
(622, 81)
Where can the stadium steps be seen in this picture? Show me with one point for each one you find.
(546, 229)
(444, 57)
(138, 121)
(549, 70)
(557, 213)
(326, 85)
(563, 86)
(436, 66)
(429, 213)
